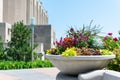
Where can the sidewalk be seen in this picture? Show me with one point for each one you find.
(35, 74)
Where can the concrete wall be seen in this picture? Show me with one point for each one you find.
(5, 32)
(2, 31)
(8, 28)
(39, 48)
(53, 37)
(18, 10)
(1, 10)
(44, 34)
(14, 10)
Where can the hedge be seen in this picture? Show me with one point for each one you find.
(5, 65)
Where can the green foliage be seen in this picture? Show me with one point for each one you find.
(105, 52)
(5, 65)
(19, 46)
(1, 49)
(115, 63)
(111, 42)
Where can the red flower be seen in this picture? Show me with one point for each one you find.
(115, 39)
(67, 39)
(110, 34)
(68, 42)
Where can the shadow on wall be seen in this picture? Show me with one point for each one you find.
(62, 76)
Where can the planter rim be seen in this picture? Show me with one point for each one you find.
(83, 57)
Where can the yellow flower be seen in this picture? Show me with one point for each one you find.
(48, 51)
(69, 52)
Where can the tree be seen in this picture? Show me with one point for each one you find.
(1, 49)
(19, 46)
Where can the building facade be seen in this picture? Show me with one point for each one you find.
(1, 10)
(12, 11)
(17, 10)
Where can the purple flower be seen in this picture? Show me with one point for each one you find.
(58, 44)
(78, 31)
(75, 40)
(75, 35)
(63, 45)
(61, 40)
(110, 34)
(54, 43)
(84, 38)
(80, 35)
(71, 29)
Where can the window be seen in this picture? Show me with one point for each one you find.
(9, 31)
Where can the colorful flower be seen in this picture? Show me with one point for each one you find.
(110, 34)
(115, 39)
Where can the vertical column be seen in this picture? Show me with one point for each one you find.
(28, 6)
(37, 12)
(46, 18)
(35, 9)
(1, 10)
(40, 13)
(9, 11)
(31, 9)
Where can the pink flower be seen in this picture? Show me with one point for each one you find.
(71, 29)
(105, 38)
(115, 39)
(110, 34)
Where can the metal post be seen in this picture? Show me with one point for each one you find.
(32, 21)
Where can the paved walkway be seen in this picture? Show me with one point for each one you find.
(35, 74)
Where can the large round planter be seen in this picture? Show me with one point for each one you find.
(79, 64)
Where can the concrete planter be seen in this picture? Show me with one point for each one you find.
(79, 64)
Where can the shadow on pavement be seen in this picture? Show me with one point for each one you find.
(62, 76)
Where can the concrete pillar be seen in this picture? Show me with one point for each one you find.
(46, 17)
(28, 6)
(37, 12)
(1, 10)
(14, 10)
(40, 15)
(5, 32)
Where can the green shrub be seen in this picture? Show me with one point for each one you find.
(1, 49)
(115, 63)
(5, 65)
(19, 48)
